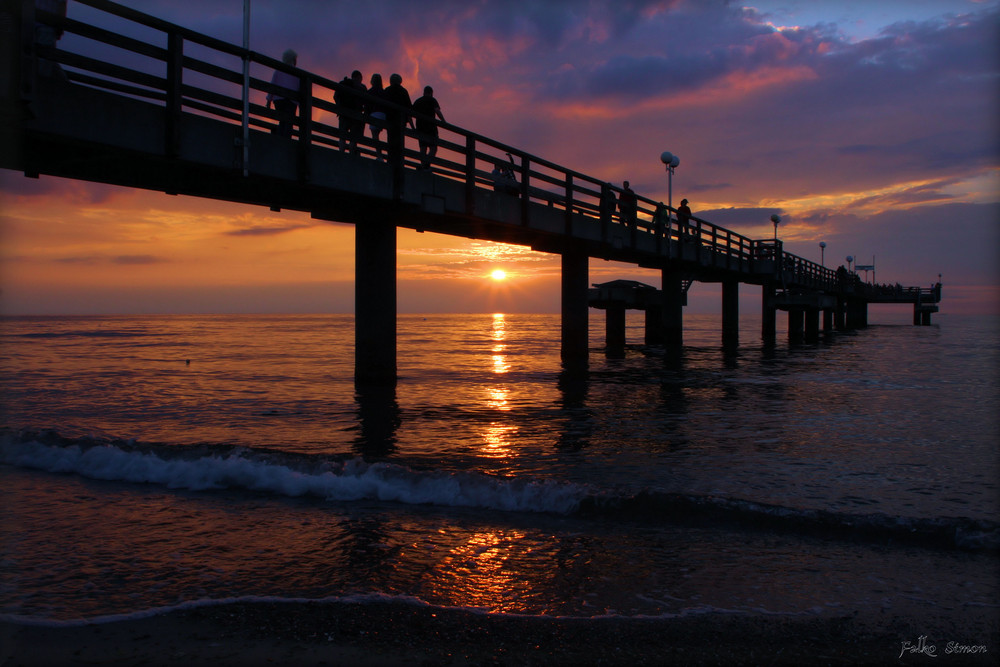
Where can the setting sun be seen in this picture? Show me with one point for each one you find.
(499, 274)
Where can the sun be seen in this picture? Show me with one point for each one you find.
(498, 274)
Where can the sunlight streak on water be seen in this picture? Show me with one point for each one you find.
(895, 421)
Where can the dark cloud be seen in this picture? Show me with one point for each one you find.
(15, 184)
(708, 187)
(266, 231)
(122, 260)
(79, 259)
(735, 217)
(137, 259)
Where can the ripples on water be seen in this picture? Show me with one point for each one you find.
(896, 423)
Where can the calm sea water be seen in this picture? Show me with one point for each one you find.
(149, 462)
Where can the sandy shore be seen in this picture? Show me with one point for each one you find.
(391, 633)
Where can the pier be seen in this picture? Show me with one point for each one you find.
(156, 117)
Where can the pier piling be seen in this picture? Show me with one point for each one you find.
(575, 308)
(673, 308)
(730, 314)
(375, 302)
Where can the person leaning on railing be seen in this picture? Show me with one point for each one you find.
(284, 106)
(47, 36)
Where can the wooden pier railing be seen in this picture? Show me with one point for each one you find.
(191, 73)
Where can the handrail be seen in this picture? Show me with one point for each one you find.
(461, 153)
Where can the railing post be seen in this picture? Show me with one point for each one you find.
(305, 128)
(658, 226)
(397, 145)
(606, 212)
(569, 204)
(525, 175)
(667, 233)
(470, 175)
(28, 56)
(175, 79)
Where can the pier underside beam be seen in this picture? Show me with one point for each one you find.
(375, 303)
(575, 309)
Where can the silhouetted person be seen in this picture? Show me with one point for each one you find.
(395, 94)
(628, 205)
(503, 178)
(608, 202)
(47, 36)
(427, 130)
(285, 106)
(376, 111)
(684, 217)
(842, 276)
(661, 218)
(352, 123)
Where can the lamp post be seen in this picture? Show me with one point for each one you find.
(775, 219)
(850, 258)
(670, 161)
(822, 253)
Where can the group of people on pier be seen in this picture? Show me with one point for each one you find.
(377, 106)
(383, 107)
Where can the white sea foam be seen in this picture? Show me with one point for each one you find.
(240, 469)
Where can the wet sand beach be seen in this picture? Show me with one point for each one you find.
(393, 633)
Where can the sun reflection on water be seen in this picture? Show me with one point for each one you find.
(499, 332)
(479, 571)
(497, 436)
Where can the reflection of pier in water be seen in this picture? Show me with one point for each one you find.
(161, 114)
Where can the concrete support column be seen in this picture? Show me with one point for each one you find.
(857, 314)
(375, 303)
(840, 315)
(730, 313)
(812, 324)
(673, 309)
(796, 324)
(827, 320)
(615, 329)
(575, 310)
(768, 330)
(654, 324)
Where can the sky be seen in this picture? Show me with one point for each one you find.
(872, 126)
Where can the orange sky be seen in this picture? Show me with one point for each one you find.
(828, 130)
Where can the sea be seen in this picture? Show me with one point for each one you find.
(156, 462)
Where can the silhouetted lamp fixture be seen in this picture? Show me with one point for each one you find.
(822, 253)
(670, 161)
(775, 219)
(850, 258)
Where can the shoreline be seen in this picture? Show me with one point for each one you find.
(395, 633)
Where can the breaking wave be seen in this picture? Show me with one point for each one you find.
(350, 479)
